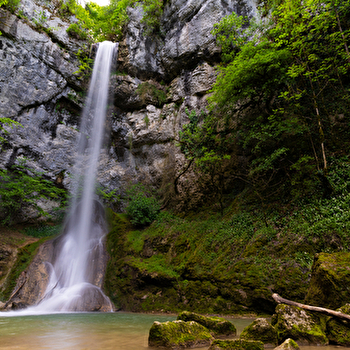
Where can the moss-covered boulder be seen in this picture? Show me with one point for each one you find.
(261, 329)
(294, 322)
(330, 280)
(236, 345)
(338, 331)
(179, 334)
(288, 344)
(218, 326)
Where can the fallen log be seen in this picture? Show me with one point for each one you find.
(280, 300)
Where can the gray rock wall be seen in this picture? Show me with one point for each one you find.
(158, 77)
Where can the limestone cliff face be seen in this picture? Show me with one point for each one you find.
(156, 79)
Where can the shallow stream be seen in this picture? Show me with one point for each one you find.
(88, 331)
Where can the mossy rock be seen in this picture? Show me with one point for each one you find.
(236, 345)
(329, 281)
(178, 334)
(338, 331)
(260, 329)
(217, 325)
(294, 322)
(288, 344)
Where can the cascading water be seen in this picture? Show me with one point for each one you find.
(75, 279)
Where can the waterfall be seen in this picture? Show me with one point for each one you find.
(75, 278)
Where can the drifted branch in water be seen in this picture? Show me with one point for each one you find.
(280, 300)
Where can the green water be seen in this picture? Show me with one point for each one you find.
(89, 331)
(107, 331)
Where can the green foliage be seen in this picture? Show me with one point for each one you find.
(42, 231)
(143, 207)
(85, 67)
(153, 9)
(202, 143)
(12, 5)
(5, 123)
(21, 186)
(279, 91)
(75, 31)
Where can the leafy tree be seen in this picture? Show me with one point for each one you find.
(279, 90)
(143, 208)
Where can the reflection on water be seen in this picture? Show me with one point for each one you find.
(88, 331)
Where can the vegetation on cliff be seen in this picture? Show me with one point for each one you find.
(280, 100)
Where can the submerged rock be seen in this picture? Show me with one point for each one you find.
(294, 322)
(236, 345)
(330, 280)
(178, 334)
(217, 325)
(338, 331)
(261, 330)
(288, 344)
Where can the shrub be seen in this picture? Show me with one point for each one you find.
(143, 208)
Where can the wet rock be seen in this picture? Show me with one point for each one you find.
(217, 325)
(178, 335)
(303, 327)
(236, 345)
(338, 331)
(288, 344)
(261, 330)
(329, 281)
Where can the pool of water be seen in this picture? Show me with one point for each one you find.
(81, 331)
(89, 331)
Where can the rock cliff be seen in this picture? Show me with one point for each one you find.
(156, 79)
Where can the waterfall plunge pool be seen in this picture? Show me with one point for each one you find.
(82, 331)
(90, 331)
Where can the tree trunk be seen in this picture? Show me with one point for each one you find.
(280, 300)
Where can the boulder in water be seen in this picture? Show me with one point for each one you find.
(261, 330)
(218, 326)
(288, 344)
(294, 322)
(178, 335)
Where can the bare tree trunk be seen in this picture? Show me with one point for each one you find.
(280, 300)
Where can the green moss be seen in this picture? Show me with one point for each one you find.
(338, 331)
(294, 322)
(331, 273)
(236, 345)
(260, 329)
(25, 256)
(178, 334)
(218, 325)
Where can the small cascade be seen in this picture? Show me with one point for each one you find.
(75, 275)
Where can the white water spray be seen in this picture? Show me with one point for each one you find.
(75, 278)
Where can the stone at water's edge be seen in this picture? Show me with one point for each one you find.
(178, 335)
(330, 280)
(288, 344)
(260, 329)
(217, 325)
(236, 345)
(294, 322)
(338, 331)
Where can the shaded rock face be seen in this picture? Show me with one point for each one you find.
(163, 75)
(294, 322)
(338, 331)
(330, 280)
